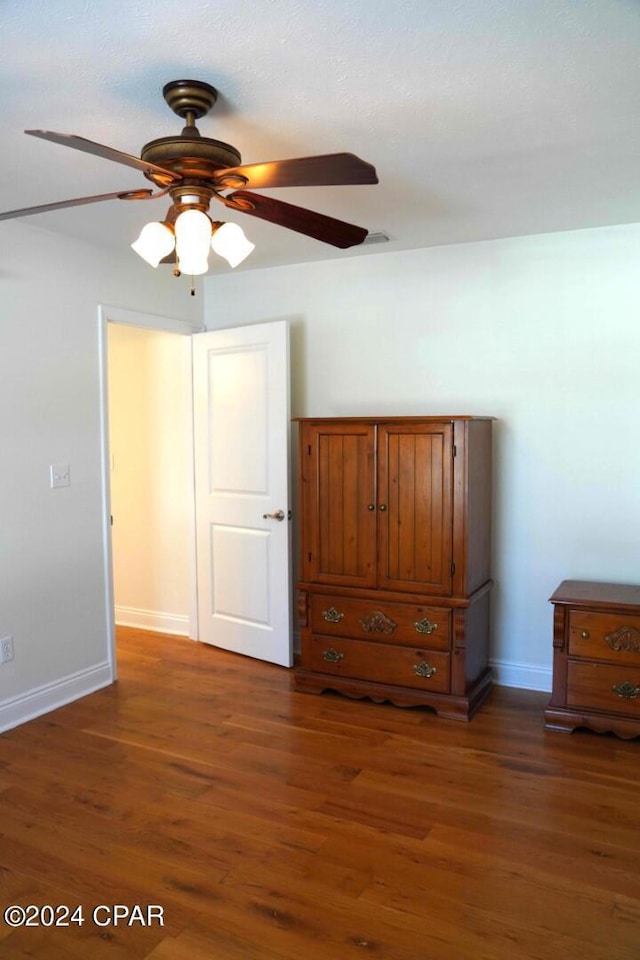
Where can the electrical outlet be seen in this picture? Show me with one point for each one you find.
(6, 649)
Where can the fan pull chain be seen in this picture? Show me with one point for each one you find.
(177, 273)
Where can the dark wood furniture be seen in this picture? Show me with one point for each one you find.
(596, 658)
(395, 560)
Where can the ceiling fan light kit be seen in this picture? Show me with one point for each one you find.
(195, 170)
(191, 237)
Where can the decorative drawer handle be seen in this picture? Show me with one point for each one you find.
(425, 626)
(624, 640)
(424, 669)
(585, 634)
(627, 690)
(332, 615)
(378, 622)
(332, 656)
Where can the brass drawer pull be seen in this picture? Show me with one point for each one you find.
(332, 615)
(424, 669)
(585, 634)
(425, 626)
(627, 690)
(332, 656)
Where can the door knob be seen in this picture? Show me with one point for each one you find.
(278, 515)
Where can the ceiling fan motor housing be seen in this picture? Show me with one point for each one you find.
(198, 157)
(194, 157)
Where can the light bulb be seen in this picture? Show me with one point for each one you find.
(229, 241)
(156, 241)
(193, 238)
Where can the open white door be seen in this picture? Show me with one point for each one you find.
(241, 434)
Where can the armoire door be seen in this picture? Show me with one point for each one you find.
(339, 503)
(414, 507)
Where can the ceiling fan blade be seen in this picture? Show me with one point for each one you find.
(331, 169)
(316, 225)
(43, 208)
(107, 153)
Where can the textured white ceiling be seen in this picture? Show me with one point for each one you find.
(484, 118)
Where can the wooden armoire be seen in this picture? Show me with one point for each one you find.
(395, 583)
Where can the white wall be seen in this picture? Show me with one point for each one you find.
(541, 332)
(151, 478)
(52, 572)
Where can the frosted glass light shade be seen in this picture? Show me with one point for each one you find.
(156, 241)
(229, 241)
(193, 239)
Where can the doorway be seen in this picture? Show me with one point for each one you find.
(150, 476)
(149, 488)
(147, 444)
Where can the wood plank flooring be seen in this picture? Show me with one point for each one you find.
(274, 825)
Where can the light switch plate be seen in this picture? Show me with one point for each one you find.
(6, 649)
(59, 475)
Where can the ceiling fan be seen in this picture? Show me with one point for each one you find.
(195, 170)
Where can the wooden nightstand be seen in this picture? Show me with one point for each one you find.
(596, 658)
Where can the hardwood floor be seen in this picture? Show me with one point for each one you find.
(274, 825)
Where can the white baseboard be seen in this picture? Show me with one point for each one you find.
(523, 675)
(49, 697)
(153, 620)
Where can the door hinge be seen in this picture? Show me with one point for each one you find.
(309, 556)
(309, 449)
(453, 569)
(455, 450)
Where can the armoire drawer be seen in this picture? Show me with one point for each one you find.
(421, 668)
(390, 623)
(605, 636)
(605, 687)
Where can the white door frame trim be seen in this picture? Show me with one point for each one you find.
(108, 314)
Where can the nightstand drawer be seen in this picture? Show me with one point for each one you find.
(602, 686)
(390, 623)
(605, 636)
(404, 666)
